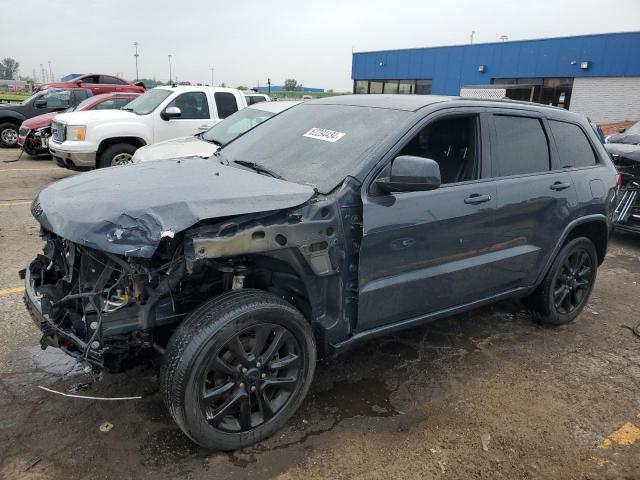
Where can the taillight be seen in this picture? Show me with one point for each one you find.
(618, 181)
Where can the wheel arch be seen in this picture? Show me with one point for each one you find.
(107, 142)
(594, 227)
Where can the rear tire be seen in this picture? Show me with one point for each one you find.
(237, 369)
(566, 287)
(116, 154)
(8, 135)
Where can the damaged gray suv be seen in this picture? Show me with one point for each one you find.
(337, 221)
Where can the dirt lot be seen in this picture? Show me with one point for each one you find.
(488, 394)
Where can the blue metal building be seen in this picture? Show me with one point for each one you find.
(557, 71)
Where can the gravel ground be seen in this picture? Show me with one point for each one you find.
(486, 394)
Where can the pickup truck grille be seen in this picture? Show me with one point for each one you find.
(58, 131)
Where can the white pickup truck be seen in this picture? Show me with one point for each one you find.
(102, 138)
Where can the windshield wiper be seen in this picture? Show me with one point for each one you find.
(258, 168)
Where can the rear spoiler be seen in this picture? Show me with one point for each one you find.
(140, 84)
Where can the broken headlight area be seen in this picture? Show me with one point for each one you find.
(99, 307)
(627, 210)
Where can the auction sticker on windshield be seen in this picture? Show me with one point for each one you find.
(324, 134)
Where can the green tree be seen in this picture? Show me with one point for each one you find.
(290, 84)
(8, 69)
(243, 88)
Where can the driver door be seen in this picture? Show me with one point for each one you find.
(195, 117)
(428, 251)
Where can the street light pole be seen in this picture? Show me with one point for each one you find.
(170, 68)
(135, 44)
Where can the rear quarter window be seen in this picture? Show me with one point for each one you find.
(519, 146)
(226, 103)
(574, 148)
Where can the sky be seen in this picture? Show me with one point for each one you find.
(248, 42)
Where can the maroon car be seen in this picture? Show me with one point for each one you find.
(34, 133)
(99, 83)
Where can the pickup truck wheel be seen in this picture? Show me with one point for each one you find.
(237, 369)
(117, 154)
(566, 288)
(8, 135)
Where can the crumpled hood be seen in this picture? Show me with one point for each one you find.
(625, 137)
(40, 121)
(178, 147)
(626, 150)
(127, 210)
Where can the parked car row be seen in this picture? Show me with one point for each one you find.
(304, 232)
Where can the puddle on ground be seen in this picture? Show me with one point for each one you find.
(54, 361)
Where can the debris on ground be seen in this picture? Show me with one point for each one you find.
(485, 438)
(106, 426)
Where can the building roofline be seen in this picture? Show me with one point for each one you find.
(588, 35)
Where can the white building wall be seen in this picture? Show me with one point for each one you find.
(606, 99)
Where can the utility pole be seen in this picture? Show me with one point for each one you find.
(212, 76)
(50, 71)
(170, 68)
(135, 44)
(269, 85)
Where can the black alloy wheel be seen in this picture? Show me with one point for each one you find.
(573, 282)
(250, 378)
(237, 368)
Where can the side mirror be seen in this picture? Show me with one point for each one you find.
(40, 103)
(411, 174)
(171, 112)
(622, 130)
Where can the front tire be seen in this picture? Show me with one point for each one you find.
(237, 369)
(566, 288)
(117, 154)
(8, 135)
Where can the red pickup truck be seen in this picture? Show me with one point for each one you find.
(99, 83)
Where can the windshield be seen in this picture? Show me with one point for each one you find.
(235, 125)
(316, 144)
(147, 102)
(81, 105)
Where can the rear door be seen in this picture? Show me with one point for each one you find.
(535, 200)
(424, 252)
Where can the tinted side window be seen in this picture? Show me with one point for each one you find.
(192, 105)
(121, 102)
(89, 79)
(574, 149)
(520, 146)
(226, 103)
(107, 80)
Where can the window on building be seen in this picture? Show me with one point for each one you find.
(520, 146)
(574, 148)
(226, 103)
(191, 105)
(390, 86)
(423, 87)
(407, 87)
(375, 86)
(452, 142)
(548, 91)
(361, 86)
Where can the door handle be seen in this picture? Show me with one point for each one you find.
(557, 186)
(476, 198)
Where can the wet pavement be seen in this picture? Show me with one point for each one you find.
(485, 394)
